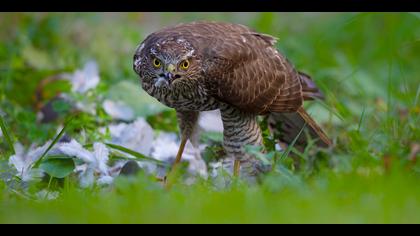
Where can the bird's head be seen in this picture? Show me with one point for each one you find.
(166, 61)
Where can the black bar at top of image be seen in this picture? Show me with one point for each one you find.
(211, 5)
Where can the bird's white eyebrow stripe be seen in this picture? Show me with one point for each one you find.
(190, 53)
(140, 47)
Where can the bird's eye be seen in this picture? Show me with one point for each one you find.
(185, 64)
(156, 63)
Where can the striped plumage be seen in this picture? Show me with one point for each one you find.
(231, 68)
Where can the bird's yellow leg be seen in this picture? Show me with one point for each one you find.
(187, 122)
(177, 161)
(181, 149)
(236, 168)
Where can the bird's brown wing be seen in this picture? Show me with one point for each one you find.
(241, 67)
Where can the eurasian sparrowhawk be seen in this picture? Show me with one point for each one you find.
(203, 66)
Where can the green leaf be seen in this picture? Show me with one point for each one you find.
(58, 167)
(6, 134)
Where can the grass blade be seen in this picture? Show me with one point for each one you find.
(66, 124)
(361, 119)
(6, 135)
(133, 153)
(289, 148)
(417, 96)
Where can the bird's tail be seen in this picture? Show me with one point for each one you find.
(325, 141)
(286, 126)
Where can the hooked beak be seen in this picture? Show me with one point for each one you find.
(170, 72)
(166, 78)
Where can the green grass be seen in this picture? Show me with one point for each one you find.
(365, 63)
(326, 199)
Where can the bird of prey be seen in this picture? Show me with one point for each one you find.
(202, 66)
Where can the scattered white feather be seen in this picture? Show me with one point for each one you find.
(105, 180)
(75, 149)
(137, 136)
(85, 79)
(23, 160)
(95, 163)
(101, 155)
(118, 110)
(165, 148)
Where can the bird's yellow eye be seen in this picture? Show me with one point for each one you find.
(185, 64)
(156, 63)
